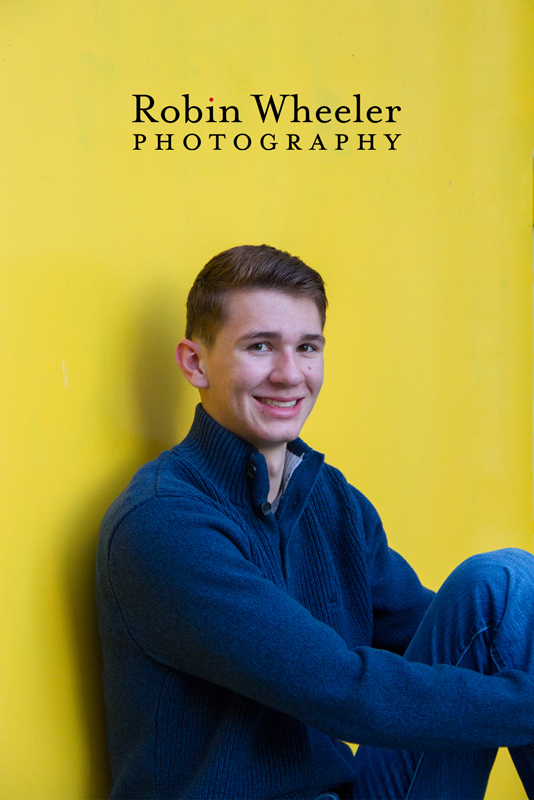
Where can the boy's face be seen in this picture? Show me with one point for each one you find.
(265, 370)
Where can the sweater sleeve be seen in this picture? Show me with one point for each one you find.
(192, 599)
(399, 599)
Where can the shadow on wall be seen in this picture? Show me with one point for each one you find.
(157, 392)
(158, 386)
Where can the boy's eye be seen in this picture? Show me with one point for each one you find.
(259, 347)
(306, 348)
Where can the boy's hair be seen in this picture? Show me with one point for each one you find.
(247, 267)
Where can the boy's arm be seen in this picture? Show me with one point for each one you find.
(399, 599)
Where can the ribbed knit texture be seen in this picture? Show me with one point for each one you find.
(240, 647)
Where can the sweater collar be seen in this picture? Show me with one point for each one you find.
(236, 467)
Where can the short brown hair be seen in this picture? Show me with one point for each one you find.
(247, 267)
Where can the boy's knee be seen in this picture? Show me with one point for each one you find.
(511, 560)
(475, 599)
(495, 574)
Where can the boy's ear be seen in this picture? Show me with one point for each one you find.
(190, 361)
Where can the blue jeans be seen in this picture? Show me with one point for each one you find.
(483, 619)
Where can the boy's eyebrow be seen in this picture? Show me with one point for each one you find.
(307, 337)
(314, 337)
(259, 335)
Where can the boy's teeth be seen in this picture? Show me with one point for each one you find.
(278, 403)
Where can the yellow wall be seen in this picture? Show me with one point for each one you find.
(426, 252)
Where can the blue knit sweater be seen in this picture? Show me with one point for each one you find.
(241, 646)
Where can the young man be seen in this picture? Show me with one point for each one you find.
(252, 615)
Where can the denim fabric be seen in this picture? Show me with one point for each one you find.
(481, 619)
